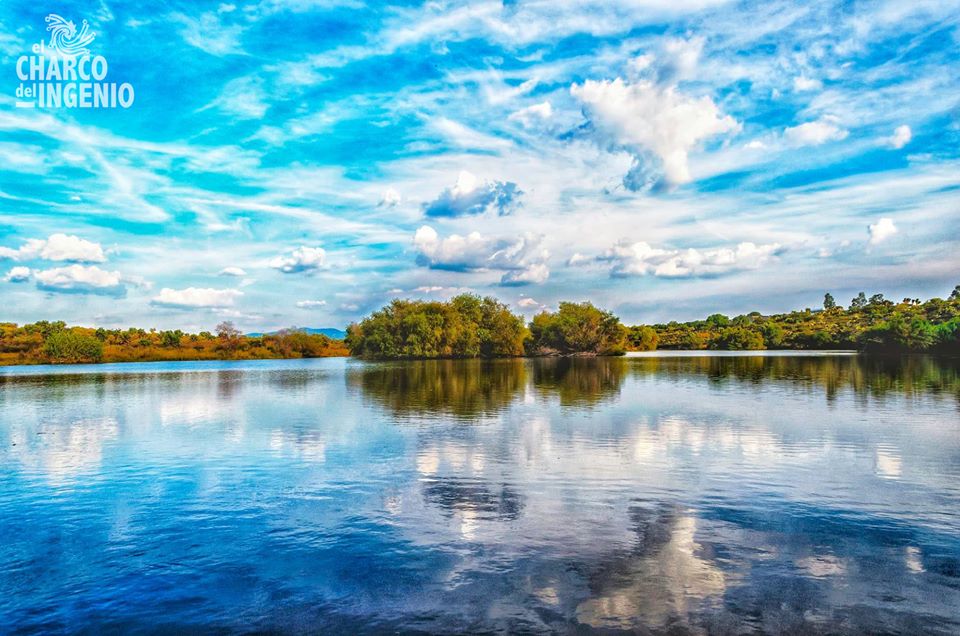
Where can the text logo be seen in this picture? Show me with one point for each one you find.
(62, 73)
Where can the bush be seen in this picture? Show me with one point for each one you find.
(465, 327)
(68, 346)
(738, 339)
(577, 328)
(642, 338)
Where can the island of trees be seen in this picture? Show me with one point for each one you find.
(468, 326)
(55, 343)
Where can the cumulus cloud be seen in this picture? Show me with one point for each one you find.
(640, 259)
(196, 298)
(470, 195)
(881, 230)
(651, 121)
(391, 198)
(311, 304)
(527, 303)
(522, 259)
(806, 84)
(815, 133)
(532, 274)
(679, 58)
(57, 247)
(302, 259)
(79, 279)
(531, 115)
(232, 271)
(17, 275)
(900, 137)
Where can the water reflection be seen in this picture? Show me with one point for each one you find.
(695, 495)
(459, 388)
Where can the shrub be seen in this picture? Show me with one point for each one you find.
(68, 346)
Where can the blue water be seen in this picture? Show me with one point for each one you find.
(725, 495)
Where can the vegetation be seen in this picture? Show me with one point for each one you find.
(872, 324)
(468, 326)
(577, 328)
(56, 343)
(465, 327)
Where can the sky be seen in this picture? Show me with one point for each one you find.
(305, 162)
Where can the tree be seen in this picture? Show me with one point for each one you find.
(828, 302)
(227, 331)
(229, 336)
(738, 338)
(465, 327)
(859, 302)
(716, 321)
(642, 338)
(577, 328)
(171, 339)
(955, 294)
(70, 347)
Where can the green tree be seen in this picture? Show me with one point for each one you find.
(69, 347)
(737, 339)
(577, 328)
(828, 302)
(642, 338)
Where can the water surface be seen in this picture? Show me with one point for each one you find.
(777, 494)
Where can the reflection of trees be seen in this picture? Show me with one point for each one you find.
(579, 381)
(864, 376)
(462, 388)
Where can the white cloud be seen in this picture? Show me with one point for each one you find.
(232, 271)
(302, 259)
(531, 115)
(57, 247)
(640, 259)
(802, 83)
(680, 58)
(82, 280)
(900, 138)
(814, 133)
(196, 297)
(645, 117)
(470, 195)
(522, 259)
(243, 98)
(535, 273)
(391, 198)
(17, 275)
(527, 303)
(311, 304)
(881, 230)
(209, 34)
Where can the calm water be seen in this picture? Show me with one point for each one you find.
(683, 495)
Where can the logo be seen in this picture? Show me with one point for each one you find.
(63, 73)
(64, 37)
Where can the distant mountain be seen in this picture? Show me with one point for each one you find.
(330, 332)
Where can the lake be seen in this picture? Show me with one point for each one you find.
(652, 494)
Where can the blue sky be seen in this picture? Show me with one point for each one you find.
(304, 162)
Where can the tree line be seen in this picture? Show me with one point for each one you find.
(48, 342)
(871, 324)
(468, 326)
